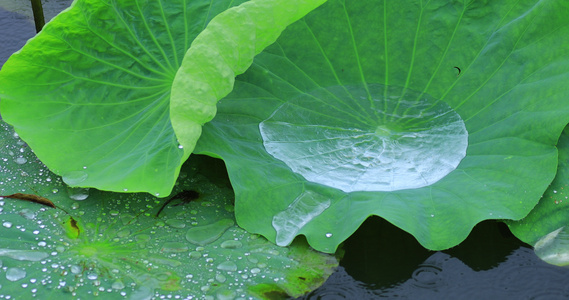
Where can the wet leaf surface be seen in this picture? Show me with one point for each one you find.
(357, 110)
(112, 245)
(545, 227)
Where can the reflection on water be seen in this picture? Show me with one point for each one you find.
(15, 29)
(17, 23)
(441, 276)
(382, 261)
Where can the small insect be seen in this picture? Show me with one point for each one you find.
(184, 197)
(458, 71)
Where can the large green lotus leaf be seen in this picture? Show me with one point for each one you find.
(226, 48)
(113, 244)
(434, 115)
(545, 226)
(102, 80)
(90, 93)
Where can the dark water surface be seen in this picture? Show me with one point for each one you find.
(15, 29)
(382, 261)
(17, 23)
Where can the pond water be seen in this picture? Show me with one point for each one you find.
(380, 260)
(17, 23)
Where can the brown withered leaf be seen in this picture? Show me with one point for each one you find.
(31, 198)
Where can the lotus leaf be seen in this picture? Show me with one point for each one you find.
(545, 227)
(116, 86)
(123, 245)
(434, 115)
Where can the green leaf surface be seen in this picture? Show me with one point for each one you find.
(434, 115)
(135, 246)
(545, 227)
(226, 48)
(90, 93)
(102, 80)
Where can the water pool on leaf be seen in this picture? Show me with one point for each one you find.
(367, 138)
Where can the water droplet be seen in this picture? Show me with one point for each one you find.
(174, 247)
(118, 285)
(227, 266)
(28, 214)
(92, 276)
(302, 210)
(75, 269)
(432, 216)
(123, 233)
(255, 270)
(143, 292)
(231, 244)
(20, 160)
(328, 235)
(24, 255)
(220, 277)
(55, 191)
(7, 224)
(74, 177)
(15, 274)
(176, 223)
(229, 208)
(78, 194)
(142, 239)
(203, 235)
(225, 294)
(180, 147)
(195, 254)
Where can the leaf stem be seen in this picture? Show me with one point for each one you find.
(38, 14)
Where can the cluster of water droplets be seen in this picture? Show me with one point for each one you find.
(111, 255)
(111, 244)
(37, 241)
